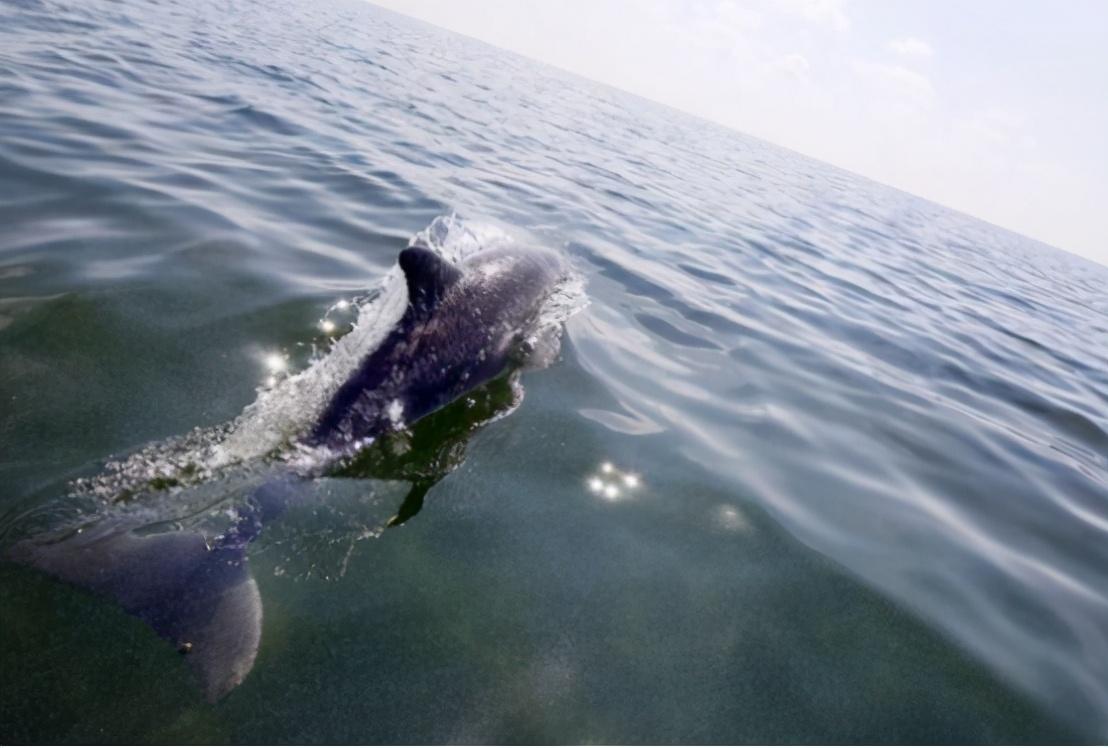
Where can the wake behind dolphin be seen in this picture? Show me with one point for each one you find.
(474, 313)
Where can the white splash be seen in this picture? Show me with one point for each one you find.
(290, 402)
(281, 414)
(395, 412)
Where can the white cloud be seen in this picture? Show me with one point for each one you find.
(1001, 127)
(909, 87)
(737, 18)
(909, 46)
(829, 12)
(794, 64)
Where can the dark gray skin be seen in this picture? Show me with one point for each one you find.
(463, 327)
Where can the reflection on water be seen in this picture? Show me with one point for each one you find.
(731, 518)
(426, 452)
(276, 362)
(612, 484)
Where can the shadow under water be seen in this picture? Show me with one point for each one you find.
(434, 446)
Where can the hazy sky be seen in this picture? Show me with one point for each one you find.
(996, 107)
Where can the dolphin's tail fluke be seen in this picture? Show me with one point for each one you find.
(201, 598)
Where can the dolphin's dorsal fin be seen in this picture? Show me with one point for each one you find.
(428, 275)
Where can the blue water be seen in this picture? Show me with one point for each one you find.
(871, 433)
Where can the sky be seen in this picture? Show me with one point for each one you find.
(998, 108)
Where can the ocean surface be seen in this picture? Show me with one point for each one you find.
(869, 433)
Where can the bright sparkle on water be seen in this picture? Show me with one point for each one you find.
(610, 484)
(327, 326)
(275, 362)
(729, 518)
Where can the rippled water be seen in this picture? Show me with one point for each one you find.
(871, 433)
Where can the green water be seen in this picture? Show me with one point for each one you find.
(870, 432)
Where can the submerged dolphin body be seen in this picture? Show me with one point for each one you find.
(464, 326)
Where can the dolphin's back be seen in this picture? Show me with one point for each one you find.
(458, 331)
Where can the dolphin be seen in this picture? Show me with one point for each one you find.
(465, 326)
(461, 328)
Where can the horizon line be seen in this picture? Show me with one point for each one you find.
(734, 129)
